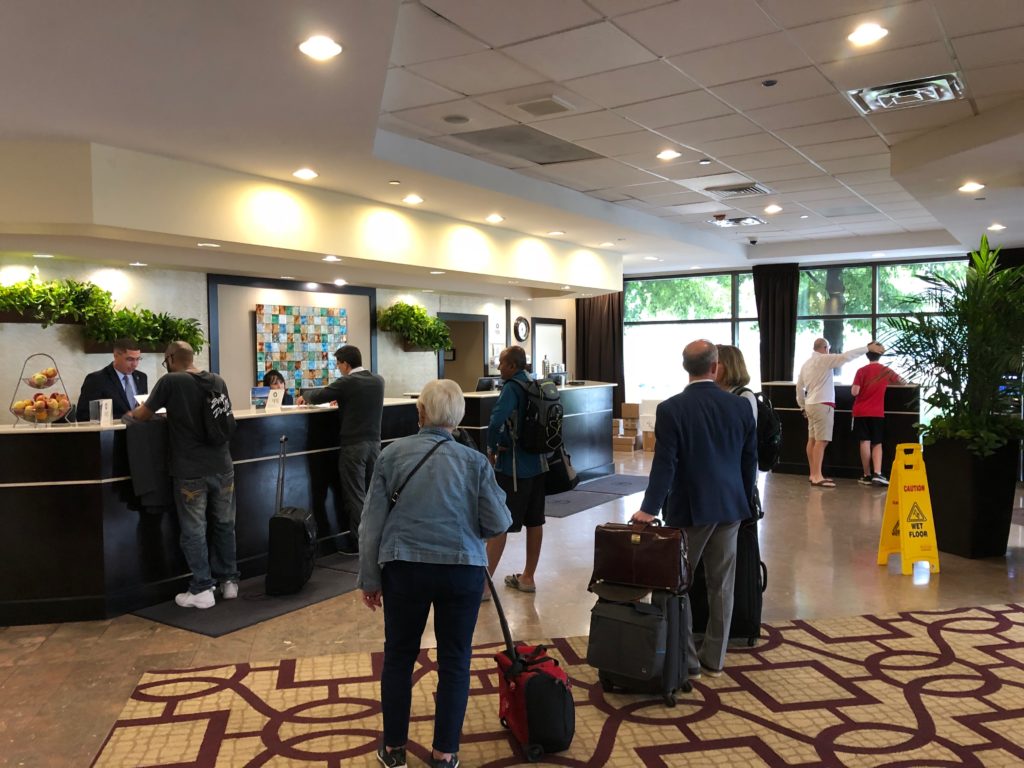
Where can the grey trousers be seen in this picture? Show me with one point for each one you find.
(355, 468)
(715, 545)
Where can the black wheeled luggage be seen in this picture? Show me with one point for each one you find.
(751, 582)
(641, 647)
(291, 550)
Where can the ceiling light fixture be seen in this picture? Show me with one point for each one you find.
(650, 258)
(428, 290)
(456, 119)
(971, 186)
(340, 282)
(721, 220)
(769, 83)
(606, 244)
(805, 216)
(566, 288)
(996, 228)
(312, 286)
(42, 255)
(306, 174)
(394, 182)
(320, 47)
(555, 233)
(878, 255)
(437, 272)
(330, 257)
(704, 161)
(208, 245)
(866, 34)
(773, 208)
(138, 264)
(287, 277)
(412, 199)
(668, 154)
(495, 218)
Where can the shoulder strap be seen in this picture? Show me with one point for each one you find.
(394, 496)
(741, 390)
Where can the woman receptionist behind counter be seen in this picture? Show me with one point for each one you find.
(275, 380)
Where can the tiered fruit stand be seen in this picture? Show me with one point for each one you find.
(30, 403)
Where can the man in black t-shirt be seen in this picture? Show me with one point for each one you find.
(203, 475)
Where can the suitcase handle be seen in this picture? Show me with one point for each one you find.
(282, 452)
(764, 577)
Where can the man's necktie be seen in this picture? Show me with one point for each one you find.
(129, 391)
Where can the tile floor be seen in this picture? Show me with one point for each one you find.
(62, 686)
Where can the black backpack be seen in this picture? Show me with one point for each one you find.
(218, 419)
(539, 427)
(769, 431)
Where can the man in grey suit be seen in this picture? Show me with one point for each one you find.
(703, 476)
(360, 397)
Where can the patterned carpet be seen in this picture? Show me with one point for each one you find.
(943, 688)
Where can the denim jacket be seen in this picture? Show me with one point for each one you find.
(445, 512)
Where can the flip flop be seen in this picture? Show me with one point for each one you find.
(512, 580)
(826, 483)
(829, 479)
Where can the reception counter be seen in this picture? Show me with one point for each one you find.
(78, 545)
(842, 457)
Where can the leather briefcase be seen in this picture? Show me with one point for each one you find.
(641, 555)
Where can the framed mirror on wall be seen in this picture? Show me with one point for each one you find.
(548, 342)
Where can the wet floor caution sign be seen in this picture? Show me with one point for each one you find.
(907, 525)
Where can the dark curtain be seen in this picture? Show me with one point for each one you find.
(775, 290)
(1011, 257)
(599, 339)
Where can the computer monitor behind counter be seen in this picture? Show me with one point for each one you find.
(488, 383)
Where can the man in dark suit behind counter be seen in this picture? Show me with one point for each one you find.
(703, 475)
(119, 382)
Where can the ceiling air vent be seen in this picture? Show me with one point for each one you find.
(527, 143)
(549, 105)
(912, 93)
(730, 191)
(721, 220)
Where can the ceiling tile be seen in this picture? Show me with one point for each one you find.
(822, 181)
(786, 172)
(967, 18)
(758, 57)
(988, 81)
(402, 128)
(837, 130)
(795, 13)
(985, 50)
(628, 144)
(890, 66)
(579, 52)
(661, 189)
(613, 8)
(865, 177)
(700, 132)
(421, 35)
(796, 85)
(675, 109)
(909, 24)
(649, 162)
(990, 103)
(505, 161)
(590, 125)
(692, 171)
(921, 118)
(678, 198)
(757, 142)
(862, 163)
(612, 195)
(629, 85)
(817, 195)
(697, 208)
(878, 188)
(477, 73)
(691, 25)
(890, 198)
(501, 23)
(821, 109)
(757, 160)
(850, 148)
(431, 117)
(404, 90)
(507, 102)
(594, 174)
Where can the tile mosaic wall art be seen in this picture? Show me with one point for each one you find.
(299, 342)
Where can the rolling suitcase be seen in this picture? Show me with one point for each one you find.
(534, 695)
(640, 647)
(291, 544)
(748, 593)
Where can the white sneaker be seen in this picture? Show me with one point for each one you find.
(204, 599)
(229, 590)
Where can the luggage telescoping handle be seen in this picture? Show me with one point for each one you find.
(280, 470)
(505, 631)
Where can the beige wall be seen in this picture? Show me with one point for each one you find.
(564, 309)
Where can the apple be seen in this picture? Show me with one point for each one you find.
(38, 379)
(38, 396)
(52, 404)
(29, 415)
(50, 373)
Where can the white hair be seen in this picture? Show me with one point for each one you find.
(442, 403)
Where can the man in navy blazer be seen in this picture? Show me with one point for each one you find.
(702, 477)
(110, 383)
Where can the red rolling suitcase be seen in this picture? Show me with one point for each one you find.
(534, 696)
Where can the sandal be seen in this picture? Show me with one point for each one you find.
(826, 483)
(512, 580)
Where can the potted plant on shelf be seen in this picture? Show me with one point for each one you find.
(966, 354)
(419, 331)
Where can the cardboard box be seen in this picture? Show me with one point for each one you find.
(616, 427)
(630, 432)
(631, 410)
(623, 443)
(648, 439)
(630, 423)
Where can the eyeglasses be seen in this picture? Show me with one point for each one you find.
(164, 363)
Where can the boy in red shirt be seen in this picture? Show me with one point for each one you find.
(868, 390)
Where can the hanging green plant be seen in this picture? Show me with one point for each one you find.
(416, 327)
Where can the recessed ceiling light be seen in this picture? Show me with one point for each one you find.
(606, 244)
(306, 174)
(312, 286)
(971, 186)
(650, 258)
(566, 288)
(456, 119)
(42, 255)
(320, 47)
(208, 245)
(437, 271)
(695, 266)
(287, 277)
(668, 154)
(394, 182)
(555, 233)
(866, 34)
(495, 218)
(773, 208)
(996, 228)
(330, 257)
(805, 216)
(138, 264)
(878, 255)
(428, 290)
(339, 282)
(769, 83)
(412, 199)
(704, 161)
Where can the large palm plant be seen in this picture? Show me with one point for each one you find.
(967, 355)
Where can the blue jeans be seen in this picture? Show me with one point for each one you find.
(409, 589)
(194, 497)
